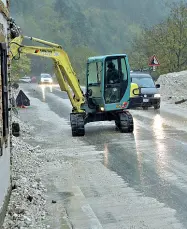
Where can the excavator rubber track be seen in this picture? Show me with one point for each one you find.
(124, 122)
(77, 124)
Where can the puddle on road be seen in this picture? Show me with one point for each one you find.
(65, 195)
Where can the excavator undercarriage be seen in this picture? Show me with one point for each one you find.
(123, 121)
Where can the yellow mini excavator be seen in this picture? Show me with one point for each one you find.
(107, 88)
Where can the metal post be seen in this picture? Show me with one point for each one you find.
(9, 84)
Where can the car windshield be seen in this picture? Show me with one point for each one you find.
(143, 82)
(45, 76)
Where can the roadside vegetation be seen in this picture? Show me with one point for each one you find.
(21, 67)
(86, 28)
(168, 40)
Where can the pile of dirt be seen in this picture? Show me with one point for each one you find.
(173, 88)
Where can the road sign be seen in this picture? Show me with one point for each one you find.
(153, 61)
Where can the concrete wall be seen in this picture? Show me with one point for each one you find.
(4, 181)
(5, 158)
(4, 173)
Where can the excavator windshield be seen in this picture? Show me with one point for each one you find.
(95, 71)
(116, 79)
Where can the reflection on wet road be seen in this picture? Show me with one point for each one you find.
(152, 161)
(44, 90)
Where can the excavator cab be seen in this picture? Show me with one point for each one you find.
(108, 82)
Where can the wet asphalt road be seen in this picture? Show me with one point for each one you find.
(145, 172)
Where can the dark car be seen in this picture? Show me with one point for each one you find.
(150, 96)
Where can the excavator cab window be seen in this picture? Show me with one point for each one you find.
(95, 70)
(94, 74)
(116, 79)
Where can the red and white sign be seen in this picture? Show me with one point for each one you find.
(153, 61)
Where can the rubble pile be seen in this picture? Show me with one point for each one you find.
(27, 204)
(173, 88)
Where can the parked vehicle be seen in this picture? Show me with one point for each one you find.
(33, 79)
(25, 79)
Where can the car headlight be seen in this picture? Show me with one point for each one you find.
(157, 95)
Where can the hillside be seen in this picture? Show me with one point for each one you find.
(104, 25)
(86, 27)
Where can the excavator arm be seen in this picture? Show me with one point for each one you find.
(65, 74)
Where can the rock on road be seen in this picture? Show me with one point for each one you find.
(109, 180)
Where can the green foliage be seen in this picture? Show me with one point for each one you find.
(87, 26)
(168, 40)
(21, 67)
(79, 58)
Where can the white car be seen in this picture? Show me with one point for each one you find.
(25, 79)
(46, 78)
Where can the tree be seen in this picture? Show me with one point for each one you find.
(168, 40)
(105, 26)
(21, 67)
(79, 58)
(177, 35)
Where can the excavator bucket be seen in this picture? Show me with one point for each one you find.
(22, 100)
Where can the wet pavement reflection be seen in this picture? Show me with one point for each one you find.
(153, 162)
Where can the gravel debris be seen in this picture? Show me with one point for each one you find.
(28, 199)
(173, 88)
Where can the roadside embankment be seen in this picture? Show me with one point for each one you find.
(173, 88)
(27, 203)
